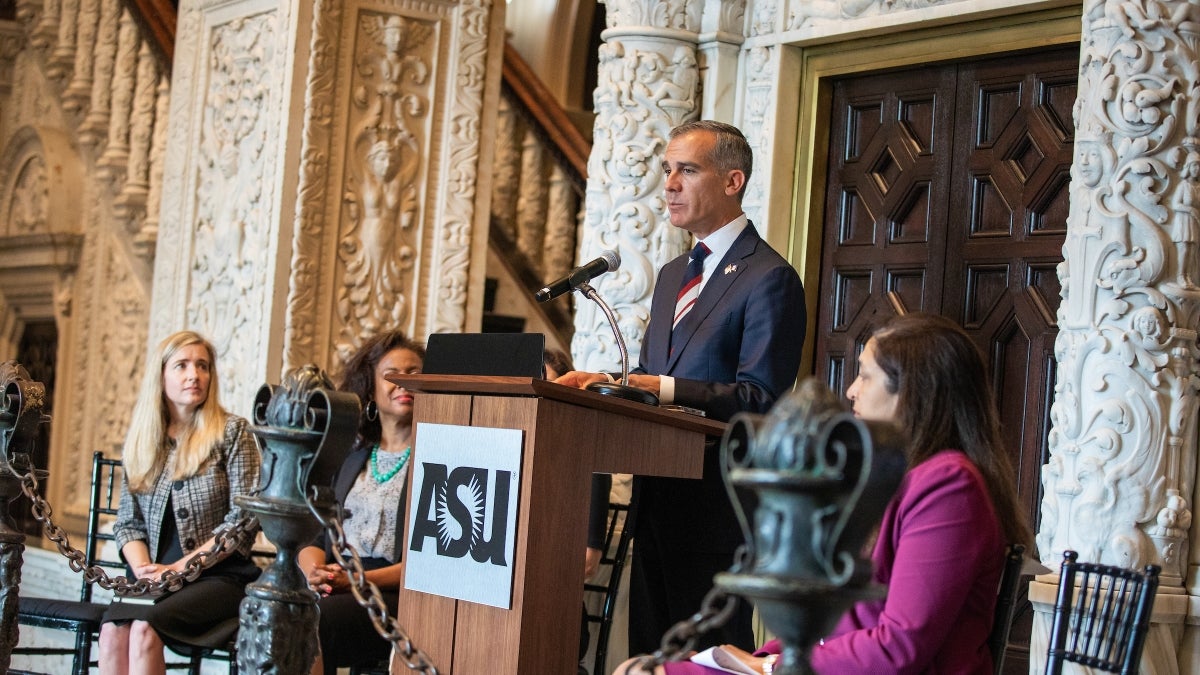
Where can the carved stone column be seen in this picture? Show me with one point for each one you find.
(345, 195)
(648, 83)
(1119, 486)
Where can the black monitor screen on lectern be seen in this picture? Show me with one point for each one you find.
(511, 354)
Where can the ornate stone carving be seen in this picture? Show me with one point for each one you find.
(531, 202)
(94, 128)
(642, 93)
(147, 236)
(759, 123)
(312, 191)
(820, 11)
(428, 121)
(724, 16)
(678, 14)
(12, 40)
(62, 56)
(391, 92)
(116, 153)
(765, 17)
(506, 169)
(39, 175)
(562, 215)
(179, 178)
(230, 269)
(79, 91)
(121, 342)
(452, 252)
(130, 203)
(45, 26)
(1122, 446)
(28, 209)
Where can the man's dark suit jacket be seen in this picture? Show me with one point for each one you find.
(738, 349)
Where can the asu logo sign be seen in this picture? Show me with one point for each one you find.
(459, 506)
(462, 526)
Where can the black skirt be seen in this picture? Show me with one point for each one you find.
(203, 613)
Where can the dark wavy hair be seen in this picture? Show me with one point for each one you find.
(358, 378)
(946, 401)
(557, 359)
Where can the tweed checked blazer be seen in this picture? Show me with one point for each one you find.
(202, 503)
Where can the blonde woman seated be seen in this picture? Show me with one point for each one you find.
(185, 460)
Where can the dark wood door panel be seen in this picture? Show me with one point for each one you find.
(856, 310)
(885, 207)
(1013, 146)
(1018, 341)
(947, 191)
(1013, 151)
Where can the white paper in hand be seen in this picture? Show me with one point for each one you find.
(719, 659)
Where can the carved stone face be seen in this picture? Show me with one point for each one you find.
(393, 36)
(1090, 162)
(1191, 167)
(384, 160)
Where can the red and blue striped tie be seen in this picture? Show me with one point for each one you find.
(690, 289)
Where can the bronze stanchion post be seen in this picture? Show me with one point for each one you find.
(305, 430)
(821, 479)
(21, 403)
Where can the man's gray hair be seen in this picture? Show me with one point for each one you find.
(732, 150)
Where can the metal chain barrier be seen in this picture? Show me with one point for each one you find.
(367, 595)
(228, 538)
(680, 640)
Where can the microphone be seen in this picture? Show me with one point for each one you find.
(607, 262)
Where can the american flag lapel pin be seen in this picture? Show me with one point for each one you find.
(730, 268)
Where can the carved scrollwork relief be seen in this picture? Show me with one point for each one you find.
(461, 126)
(759, 121)
(38, 183)
(1122, 462)
(379, 238)
(677, 14)
(94, 128)
(642, 94)
(229, 266)
(12, 40)
(764, 18)
(28, 211)
(806, 12)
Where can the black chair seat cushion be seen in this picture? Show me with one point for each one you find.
(36, 610)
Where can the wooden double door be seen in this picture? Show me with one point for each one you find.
(947, 192)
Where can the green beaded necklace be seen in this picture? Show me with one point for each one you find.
(385, 477)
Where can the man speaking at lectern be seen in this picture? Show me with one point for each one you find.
(726, 329)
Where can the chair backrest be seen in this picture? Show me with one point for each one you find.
(1104, 623)
(106, 496)
(1006, 601)
(616, 549)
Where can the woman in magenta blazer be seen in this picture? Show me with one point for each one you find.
(941, 543)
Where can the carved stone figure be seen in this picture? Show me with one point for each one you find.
(1185, 204)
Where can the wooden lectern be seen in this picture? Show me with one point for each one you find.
(568, 435)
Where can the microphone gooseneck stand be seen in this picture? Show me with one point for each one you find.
(613, 388)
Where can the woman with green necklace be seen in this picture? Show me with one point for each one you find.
(371, 488)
